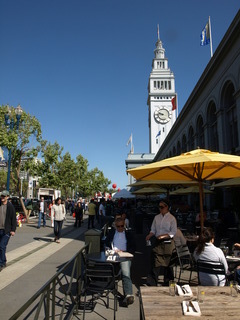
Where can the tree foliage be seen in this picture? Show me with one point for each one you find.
(53, 169)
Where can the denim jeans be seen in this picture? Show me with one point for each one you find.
(126, 277)
(4, 238)
(41, 215)
(58, 229)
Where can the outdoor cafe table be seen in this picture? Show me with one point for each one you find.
(101, 257)
(156, 303)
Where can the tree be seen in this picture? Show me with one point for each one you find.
(47, 169)
(66, 173)
(24, 142)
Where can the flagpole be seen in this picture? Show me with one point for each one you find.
(131, 151)
(210, 35)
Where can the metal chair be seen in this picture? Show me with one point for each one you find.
(185, 261)
(100, 282)
(211, 267)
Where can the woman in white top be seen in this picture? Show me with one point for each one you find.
(59, 212)
(208, 252)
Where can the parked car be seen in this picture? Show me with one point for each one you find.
(18, 207)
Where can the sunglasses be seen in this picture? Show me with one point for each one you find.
(120, 226)
(161, 207)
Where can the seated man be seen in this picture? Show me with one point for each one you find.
(122, 240)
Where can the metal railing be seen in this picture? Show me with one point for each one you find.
(59, 297)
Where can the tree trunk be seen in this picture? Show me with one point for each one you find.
(26, 212)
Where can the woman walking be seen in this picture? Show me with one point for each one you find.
(59, 213)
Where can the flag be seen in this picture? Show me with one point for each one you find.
(205, 35)
(174, 103)
(159, 133)
(129, 140)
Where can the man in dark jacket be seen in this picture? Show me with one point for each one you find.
(7, 226)
(122, 240)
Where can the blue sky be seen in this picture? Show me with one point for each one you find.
(82, 67)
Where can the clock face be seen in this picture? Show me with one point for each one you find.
(162, 115)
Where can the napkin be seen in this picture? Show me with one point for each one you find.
(111, 258)
(191, 308)
(184, 290)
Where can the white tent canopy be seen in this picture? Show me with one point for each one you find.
(124, 193)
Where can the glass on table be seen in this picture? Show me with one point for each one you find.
(172, 287)
(234, 288)
(225, 250)
(200, 294)
(107, 251)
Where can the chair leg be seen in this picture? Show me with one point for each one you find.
(179, 277)
(84, 307)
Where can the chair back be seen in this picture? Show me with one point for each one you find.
(210, 267)
(184, 257)
(100, 276)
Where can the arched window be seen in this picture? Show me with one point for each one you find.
(212, 128)
(184, 143)
(230, 117)
(200, 133)
(191, 145)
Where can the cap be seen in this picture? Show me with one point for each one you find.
(5, 193)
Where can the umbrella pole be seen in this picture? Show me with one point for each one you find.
(201, 203)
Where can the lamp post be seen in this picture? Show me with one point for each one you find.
(11, 123)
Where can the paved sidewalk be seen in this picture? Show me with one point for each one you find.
(32, 259)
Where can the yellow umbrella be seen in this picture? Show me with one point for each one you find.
(197, 165)
(167, 183)
(189, 190)
(150, 190)
(235, 182)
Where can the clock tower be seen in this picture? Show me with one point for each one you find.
(161, 91)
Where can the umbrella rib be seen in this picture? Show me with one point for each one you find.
(229, 164)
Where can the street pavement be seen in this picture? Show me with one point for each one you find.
(33, 258)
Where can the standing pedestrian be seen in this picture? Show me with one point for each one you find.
(91, 213)
(78, 214)
(51, 212)
(59, 212)
(42, 213)
(102, 212)
(8, 226)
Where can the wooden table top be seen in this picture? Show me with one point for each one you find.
(156, 303)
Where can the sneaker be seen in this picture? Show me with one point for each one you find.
(130, 299)
(57, 241)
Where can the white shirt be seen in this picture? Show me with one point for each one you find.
(163, 224)
(41, 206)
(120, 241)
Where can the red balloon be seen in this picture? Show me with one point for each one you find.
(114, 185)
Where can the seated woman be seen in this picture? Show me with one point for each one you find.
(207, 251)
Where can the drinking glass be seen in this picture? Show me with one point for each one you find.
(172, 287)
(233, 288)
(200, 294)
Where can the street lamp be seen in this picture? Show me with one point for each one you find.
(11, 123)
